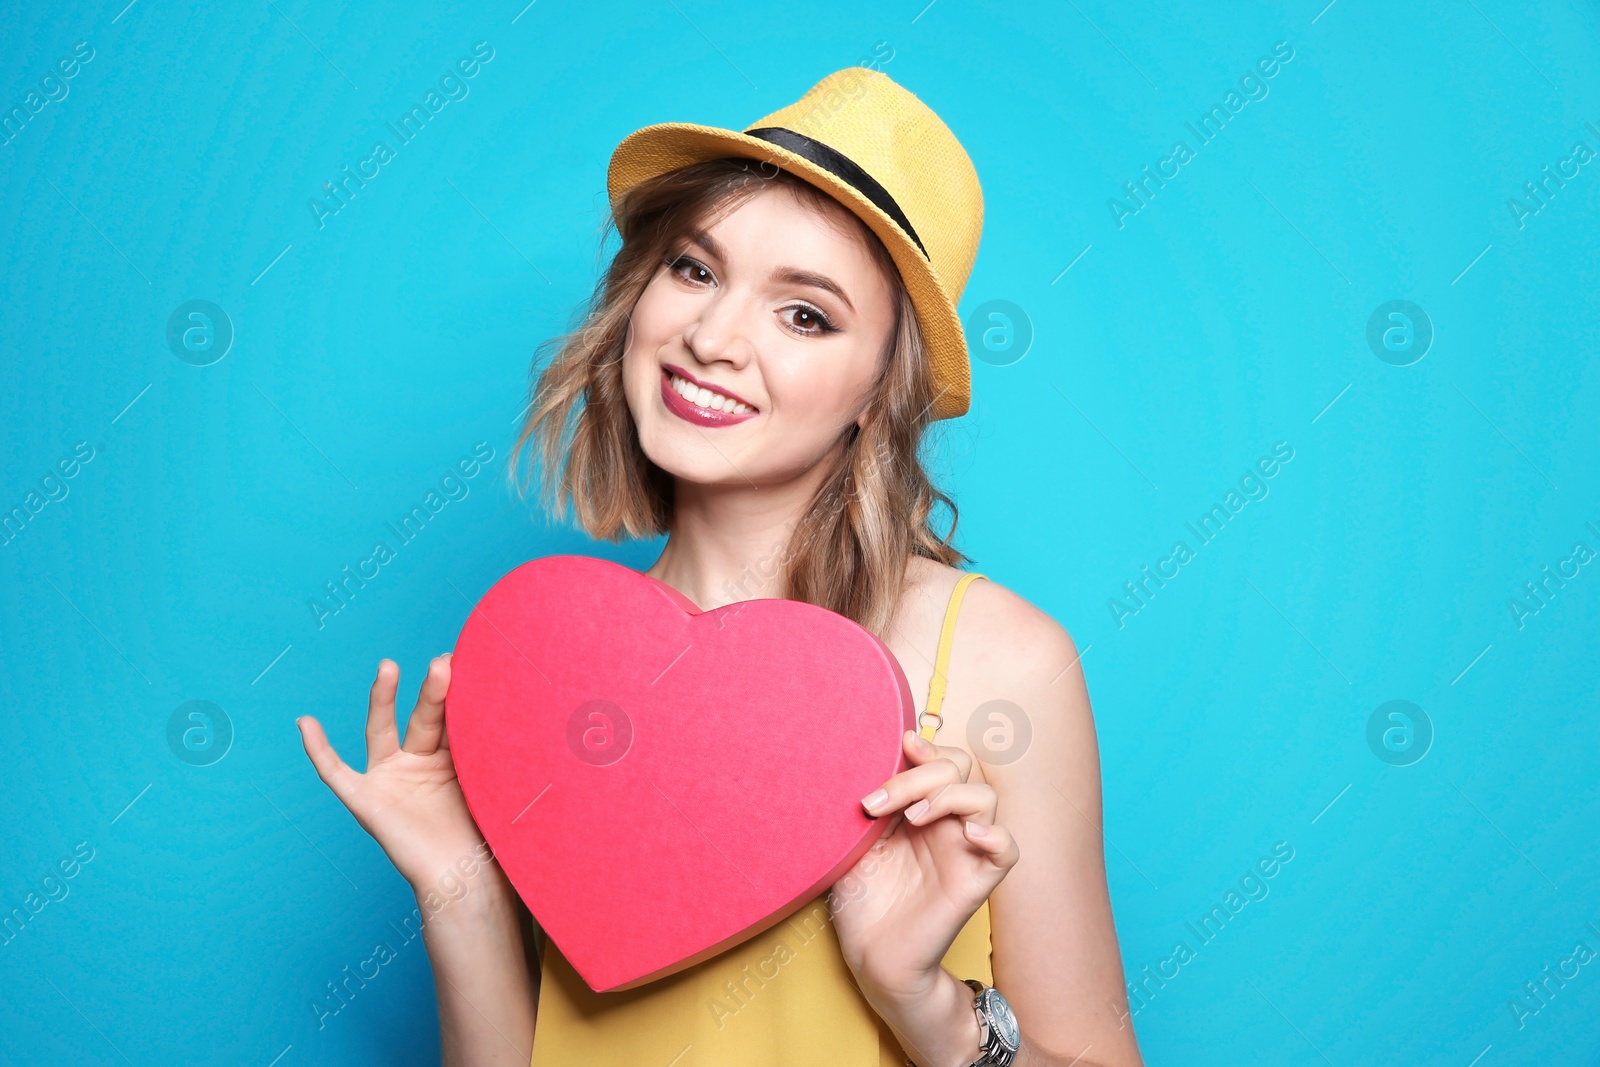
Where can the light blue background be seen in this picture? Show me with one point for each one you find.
(1227, 315)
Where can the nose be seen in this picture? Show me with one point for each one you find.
(721, 332)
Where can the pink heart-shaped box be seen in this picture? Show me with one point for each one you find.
(661, 783)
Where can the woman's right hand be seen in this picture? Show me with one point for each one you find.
(409, 799)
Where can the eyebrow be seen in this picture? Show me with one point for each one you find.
(793, 275)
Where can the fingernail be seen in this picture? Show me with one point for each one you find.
(924, 744)
(916, 810)
(976, 829)
(873, 801)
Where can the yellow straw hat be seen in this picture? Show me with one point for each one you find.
(880, 152)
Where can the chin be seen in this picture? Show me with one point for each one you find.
(686, 466)
(680, 450)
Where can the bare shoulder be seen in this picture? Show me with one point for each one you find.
(1004, 634)
(1005, 648)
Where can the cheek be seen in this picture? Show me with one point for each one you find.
(661, 310)
(813, 397)
(822, 383)
(639, 371)
(643, 337)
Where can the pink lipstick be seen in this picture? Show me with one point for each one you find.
(691, 412)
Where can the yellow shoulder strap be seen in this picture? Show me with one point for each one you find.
(930, 720)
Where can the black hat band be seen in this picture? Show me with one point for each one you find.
(842, 167)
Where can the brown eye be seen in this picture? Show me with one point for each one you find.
(698, 272)
(808, 320)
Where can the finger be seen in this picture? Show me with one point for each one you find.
(444, 732)
(920, 751)
(968, 801)
(382, 738)
(427, 718)
(908, 787)
(994, 841)
(334, 772)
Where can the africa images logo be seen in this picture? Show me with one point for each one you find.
(1252, 87)
(452, 86)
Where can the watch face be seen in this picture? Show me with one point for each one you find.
(1005, 1023)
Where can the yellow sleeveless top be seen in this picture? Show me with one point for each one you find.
(784, 998)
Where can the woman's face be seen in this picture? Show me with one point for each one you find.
(782, 312)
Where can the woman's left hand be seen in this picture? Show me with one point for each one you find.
(898, 909)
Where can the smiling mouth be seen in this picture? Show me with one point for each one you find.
(699, 404)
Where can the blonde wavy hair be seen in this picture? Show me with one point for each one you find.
(849, 550)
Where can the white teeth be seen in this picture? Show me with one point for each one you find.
(706, 398)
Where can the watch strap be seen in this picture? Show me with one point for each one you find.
(983, 1059)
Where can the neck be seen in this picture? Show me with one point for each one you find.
(731, 542)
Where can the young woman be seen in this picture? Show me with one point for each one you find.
(754, 378)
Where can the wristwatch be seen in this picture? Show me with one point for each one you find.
(998, 1035)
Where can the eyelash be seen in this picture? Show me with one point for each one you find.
(824, 324)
